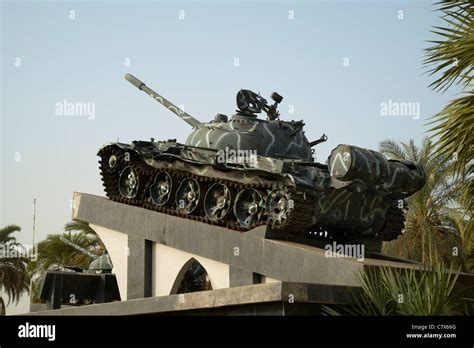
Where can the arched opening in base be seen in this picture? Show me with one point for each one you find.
(191, 278)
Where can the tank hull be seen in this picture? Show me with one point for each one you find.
(217, 187)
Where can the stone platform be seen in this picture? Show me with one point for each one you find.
(248, 272)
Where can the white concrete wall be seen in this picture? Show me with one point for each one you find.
(167, 262)
(117, 246)
(266, 280)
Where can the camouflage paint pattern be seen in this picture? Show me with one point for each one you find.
(354, 194)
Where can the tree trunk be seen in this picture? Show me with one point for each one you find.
(2, 307)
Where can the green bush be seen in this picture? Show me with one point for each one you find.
(400, 291)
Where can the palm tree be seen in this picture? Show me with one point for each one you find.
(79, 226)
(452, 56)
(434, 233)
(13, 276)
(54, 252)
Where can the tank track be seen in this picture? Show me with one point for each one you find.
(205, 182)
(297, 220)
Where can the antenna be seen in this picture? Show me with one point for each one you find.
(34, 220)
(34, 229)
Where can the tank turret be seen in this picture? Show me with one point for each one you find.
(244, 131)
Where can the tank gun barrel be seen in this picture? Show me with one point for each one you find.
(77, 247)
(165, 102)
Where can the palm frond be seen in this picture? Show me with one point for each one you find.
(391, 149)
(452, 56)
(454, 128)
(391, 291)
(411, 151)
(453, 5)
(79, 226)
(6, 231)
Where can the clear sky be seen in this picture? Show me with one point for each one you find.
(334, 62)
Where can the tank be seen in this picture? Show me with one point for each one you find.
(244, 171)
